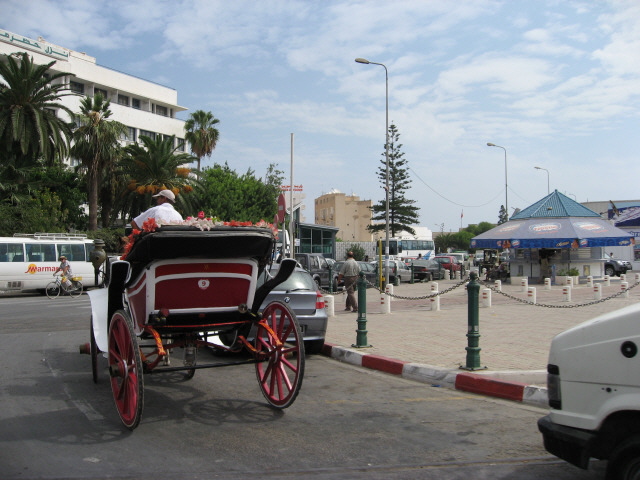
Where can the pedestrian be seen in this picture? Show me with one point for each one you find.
(419, 256)
(163, 211)
(65, 268)
(349, 271)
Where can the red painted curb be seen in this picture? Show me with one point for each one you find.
(384, 364)
(490, 386)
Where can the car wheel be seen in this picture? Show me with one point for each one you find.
(608, 270)
(624, 462)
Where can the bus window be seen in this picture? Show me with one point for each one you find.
(41, 252)
(10, 252)
(73, 251)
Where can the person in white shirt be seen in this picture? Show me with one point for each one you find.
(163, 211)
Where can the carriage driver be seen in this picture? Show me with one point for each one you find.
(162, 211)
(65, 268)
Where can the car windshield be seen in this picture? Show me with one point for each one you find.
(299, 280)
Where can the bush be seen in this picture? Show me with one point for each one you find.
(571, 272)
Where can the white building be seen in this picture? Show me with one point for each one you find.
(145, 107)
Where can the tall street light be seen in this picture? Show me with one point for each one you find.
(506, 196)
(386, 155)
(540, 168)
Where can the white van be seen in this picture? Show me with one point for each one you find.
(594, 394)
(27, 261)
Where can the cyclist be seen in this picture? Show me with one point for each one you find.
(65, 268)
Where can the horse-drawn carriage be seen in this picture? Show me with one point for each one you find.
(182, 288)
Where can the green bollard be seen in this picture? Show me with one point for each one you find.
(473, 331)
(331, 279)
(361, 332)
(411, 281)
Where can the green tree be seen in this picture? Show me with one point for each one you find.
(29, 99)
(201, 133)
(67, 185)
(153, 167)
(503, 216)
(247, 198)
(358, 251)
(402, 212)
(42, 212)
(96, 145)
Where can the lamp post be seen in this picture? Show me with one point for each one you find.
(386, 155)
(540, 168)
(506, 197)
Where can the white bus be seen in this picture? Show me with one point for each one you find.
(27, 261)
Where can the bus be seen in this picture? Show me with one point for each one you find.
(27, 261)
(414, 247)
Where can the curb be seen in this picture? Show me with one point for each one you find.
(481, 384)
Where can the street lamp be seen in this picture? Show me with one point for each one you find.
(506, 197)
(540, 168)
(386, 155)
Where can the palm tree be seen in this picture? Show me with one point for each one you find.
(201, 133)
(30, 130)
(154, 167)
(96, 145)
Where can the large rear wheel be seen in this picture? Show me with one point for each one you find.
(75, 290)
(125, 369)
(280, 351)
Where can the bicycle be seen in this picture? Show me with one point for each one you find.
(54, 288)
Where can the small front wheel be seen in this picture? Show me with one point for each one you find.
(52, 290)
(75, 290)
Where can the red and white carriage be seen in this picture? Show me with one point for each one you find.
(180, 288)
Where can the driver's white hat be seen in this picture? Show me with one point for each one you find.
(168, 194)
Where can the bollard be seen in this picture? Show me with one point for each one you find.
(569, 281)
(330, 305)
(473, 328)
(447, 274)
(385, 306)
(486, 297)
(547, 284)
(361, 332)
(636, 277)
(590, 281)
(389, 290)
(330, 279)
(624, 286)
(524, 283)
(607, 281)
(531, 293)
(498, 285)
(597, 292)
(457, 275)
(411, 268)
(623, 277)
(566, 293)
(435, 301)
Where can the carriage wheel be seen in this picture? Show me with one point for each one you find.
(93, 350)
(282, 369)
(52, 290)
(125, 368)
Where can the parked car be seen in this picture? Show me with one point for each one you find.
(427, 270)
(317, 266)
(367, 268)
(300, 293)
(398, 271)
(450, 263)
(478, 258)
(614, 266)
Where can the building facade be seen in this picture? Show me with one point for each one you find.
(145, 107)
(348, 213)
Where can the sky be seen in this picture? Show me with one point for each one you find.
(554, 83)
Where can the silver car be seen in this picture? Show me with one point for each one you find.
(300, 293)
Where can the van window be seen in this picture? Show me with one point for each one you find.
(41, 252)
(10, 252)
(73, 251)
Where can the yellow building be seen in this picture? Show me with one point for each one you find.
(347, 212)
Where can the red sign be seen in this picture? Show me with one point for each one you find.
(287, 188)
(282, 207)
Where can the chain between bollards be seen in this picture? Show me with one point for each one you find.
(473, 330)
(361, 332)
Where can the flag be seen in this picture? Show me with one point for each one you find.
(462, 214)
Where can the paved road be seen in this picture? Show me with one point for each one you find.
(347, 422)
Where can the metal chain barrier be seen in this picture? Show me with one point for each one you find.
(400, 297)
(522, 300)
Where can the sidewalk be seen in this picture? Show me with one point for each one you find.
(429, 346)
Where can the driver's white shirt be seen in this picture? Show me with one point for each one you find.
(164, 213)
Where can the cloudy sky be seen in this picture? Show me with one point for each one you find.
(554, 82)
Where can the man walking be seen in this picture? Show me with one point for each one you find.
(349, 271)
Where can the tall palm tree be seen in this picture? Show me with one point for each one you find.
(201, 133)
(96, 145)
(153, 167)
(29, 99)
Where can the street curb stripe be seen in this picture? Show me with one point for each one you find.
(470, 382)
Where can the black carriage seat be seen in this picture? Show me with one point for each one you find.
(180, 241)
(286, 268)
